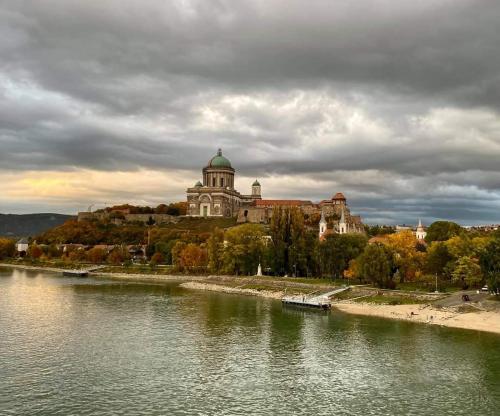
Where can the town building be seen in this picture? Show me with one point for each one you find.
(418, 231)
(22, 246)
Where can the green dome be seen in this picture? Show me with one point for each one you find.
(219, 161)
(256, 183)
(198, 184)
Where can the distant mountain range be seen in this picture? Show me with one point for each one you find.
(26, 225)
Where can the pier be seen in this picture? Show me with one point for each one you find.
(81, 272)
(321, 301)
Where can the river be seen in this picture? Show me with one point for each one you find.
(72, 346)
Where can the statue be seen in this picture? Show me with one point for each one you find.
(259, 270)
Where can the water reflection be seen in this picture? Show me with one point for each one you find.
(85, 346)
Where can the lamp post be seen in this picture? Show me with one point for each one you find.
(436, 291)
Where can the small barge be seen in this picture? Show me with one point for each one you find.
(319, 302)
(301, 301)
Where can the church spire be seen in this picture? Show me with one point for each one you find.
(323, 225)
(342, 223)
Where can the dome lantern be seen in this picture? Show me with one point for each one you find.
(219, 161)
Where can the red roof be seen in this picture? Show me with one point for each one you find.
(339, 195)
(281, 202)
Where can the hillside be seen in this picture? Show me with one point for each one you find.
(12, 225)
(105, 232)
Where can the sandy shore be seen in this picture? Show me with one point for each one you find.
(479, 321)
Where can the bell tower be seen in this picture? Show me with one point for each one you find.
(256, 190)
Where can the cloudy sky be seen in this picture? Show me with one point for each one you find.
(394, 103)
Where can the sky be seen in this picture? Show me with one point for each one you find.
(394, 103)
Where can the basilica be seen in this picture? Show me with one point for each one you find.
(215, 196)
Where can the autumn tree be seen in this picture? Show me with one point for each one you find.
(406, 257)
(176, 253)
(467, 272)
(96, 255)
(35, 251)
(192, 257)
(118, 255)
(156, 259)
(7, 248)
(77, 255)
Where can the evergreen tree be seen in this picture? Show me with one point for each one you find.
(215, 247)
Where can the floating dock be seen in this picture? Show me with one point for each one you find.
(76, 273)
(319, 302)
(81, 272)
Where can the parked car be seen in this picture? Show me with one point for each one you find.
(485, 288)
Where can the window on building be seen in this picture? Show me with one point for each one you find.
(213, 182)
(222, 182)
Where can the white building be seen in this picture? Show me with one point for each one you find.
(420, 233)
(22, 246)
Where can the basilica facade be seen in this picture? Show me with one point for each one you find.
(216, 197)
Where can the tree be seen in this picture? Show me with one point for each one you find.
(156, 259)
(459, 246)
(118, 255)
(338, 250)
(374, 265)
(287, 229)
(192, 257)
(35, 252)
(176, 253)
(376, 230)
(7, 248)
(407, 259)
(77, 255)
(96, 255)
(467, 272)
(439, 260)
(215, 248)
(479, 244)
(244, 250)
(489, 261)
(442, 231)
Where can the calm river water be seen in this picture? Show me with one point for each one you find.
(72, 346)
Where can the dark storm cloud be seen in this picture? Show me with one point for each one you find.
(379, 97)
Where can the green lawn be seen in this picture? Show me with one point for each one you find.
(390, 300)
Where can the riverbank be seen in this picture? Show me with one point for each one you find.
(420, 313)
(213, 287)
(275, 289)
